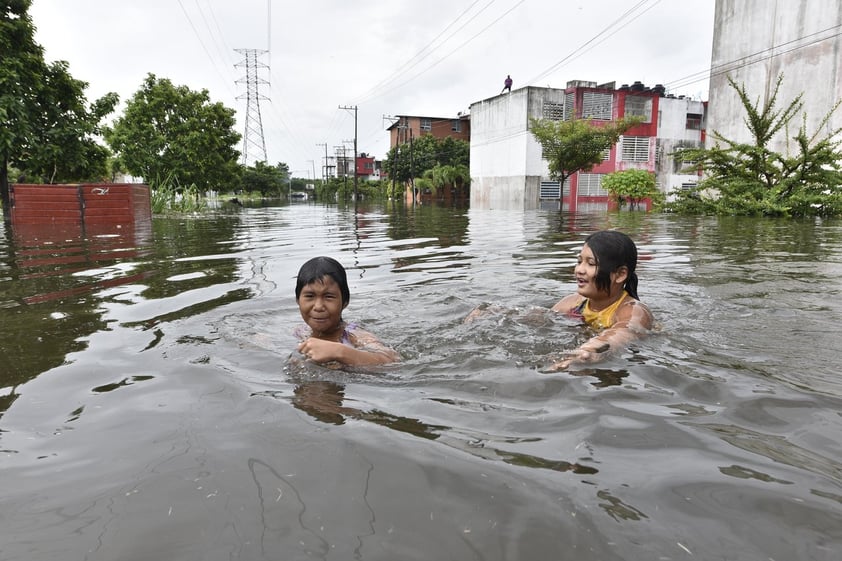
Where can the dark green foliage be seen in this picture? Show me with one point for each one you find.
(269, 181)
(48, 130)
(340, 189)
(577, 144)
(632, 186)
(752, 179)
(172, 131)
(411, 160)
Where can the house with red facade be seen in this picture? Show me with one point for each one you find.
(507, 167)
(407, 127)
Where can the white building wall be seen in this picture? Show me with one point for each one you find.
(674, 134)
(506, 164)
(757, 40)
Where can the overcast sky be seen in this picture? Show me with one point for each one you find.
(387, 57)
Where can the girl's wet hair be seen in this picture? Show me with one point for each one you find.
(318, 268)
(613, 250)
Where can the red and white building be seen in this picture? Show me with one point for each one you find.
(507, 168)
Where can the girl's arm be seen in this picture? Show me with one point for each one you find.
(632, 321)
(367, 350)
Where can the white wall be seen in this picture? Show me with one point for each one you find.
(506, 163)
(672, 134)
(805, 35)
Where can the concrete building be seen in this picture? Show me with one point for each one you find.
(507, 167)
(755, 41)
(406, 127)
(681, 124)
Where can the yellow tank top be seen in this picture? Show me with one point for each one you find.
(603, 319)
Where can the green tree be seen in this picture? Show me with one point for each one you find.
(443, 176)
(752, 179)
(411, 160)
(577, 144)
(47, 129)
(66, 145)
(632, 186)
(172, 132)
(267, 180)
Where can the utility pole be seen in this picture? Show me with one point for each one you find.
(324, 169)
(355, 147)
(402, 126)
(313, 162)
(411, 175)
(253, 136)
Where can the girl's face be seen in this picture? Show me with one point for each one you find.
(320, 304)
(585, 273)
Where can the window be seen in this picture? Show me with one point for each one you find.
(590, 185)
(569, 100)
(456, 125)
(694, 121)
(550, 190)
(635, 148)
(553, 111)
(597, 105)
(426, 124)
(639, 106)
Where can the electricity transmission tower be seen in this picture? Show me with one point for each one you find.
(254, 145)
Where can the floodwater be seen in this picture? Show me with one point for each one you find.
(152, 407)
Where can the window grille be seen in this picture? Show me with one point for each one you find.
(553, 111)
(635, 148)
(426, 124)
(554, 190)
(639, 106)
(590, 185)
(550, 190)
(569, 101)
(597, 105)
(456, 125)
(694, 121)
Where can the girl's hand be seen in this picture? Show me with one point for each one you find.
(572, 357)
(319, 350)
(582, 355)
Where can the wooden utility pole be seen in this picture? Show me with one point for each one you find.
(355, 147)
(324, 168)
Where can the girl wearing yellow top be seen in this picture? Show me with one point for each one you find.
(606, 297)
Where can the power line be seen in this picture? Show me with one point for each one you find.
(592, 42)
(750, 59)
(202, 43)
(445, 57)
(409, 64)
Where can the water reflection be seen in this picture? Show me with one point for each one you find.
(151, 412)
(58, 281)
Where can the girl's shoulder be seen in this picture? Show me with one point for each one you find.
(569, 303)
(359, 337)
(635, 311)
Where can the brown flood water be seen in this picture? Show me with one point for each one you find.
(150, 409)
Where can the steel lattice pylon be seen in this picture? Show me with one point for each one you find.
(254, 145)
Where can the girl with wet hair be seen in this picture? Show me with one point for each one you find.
(321, 291)
(606, 297)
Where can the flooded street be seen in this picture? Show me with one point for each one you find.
(152, 405)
